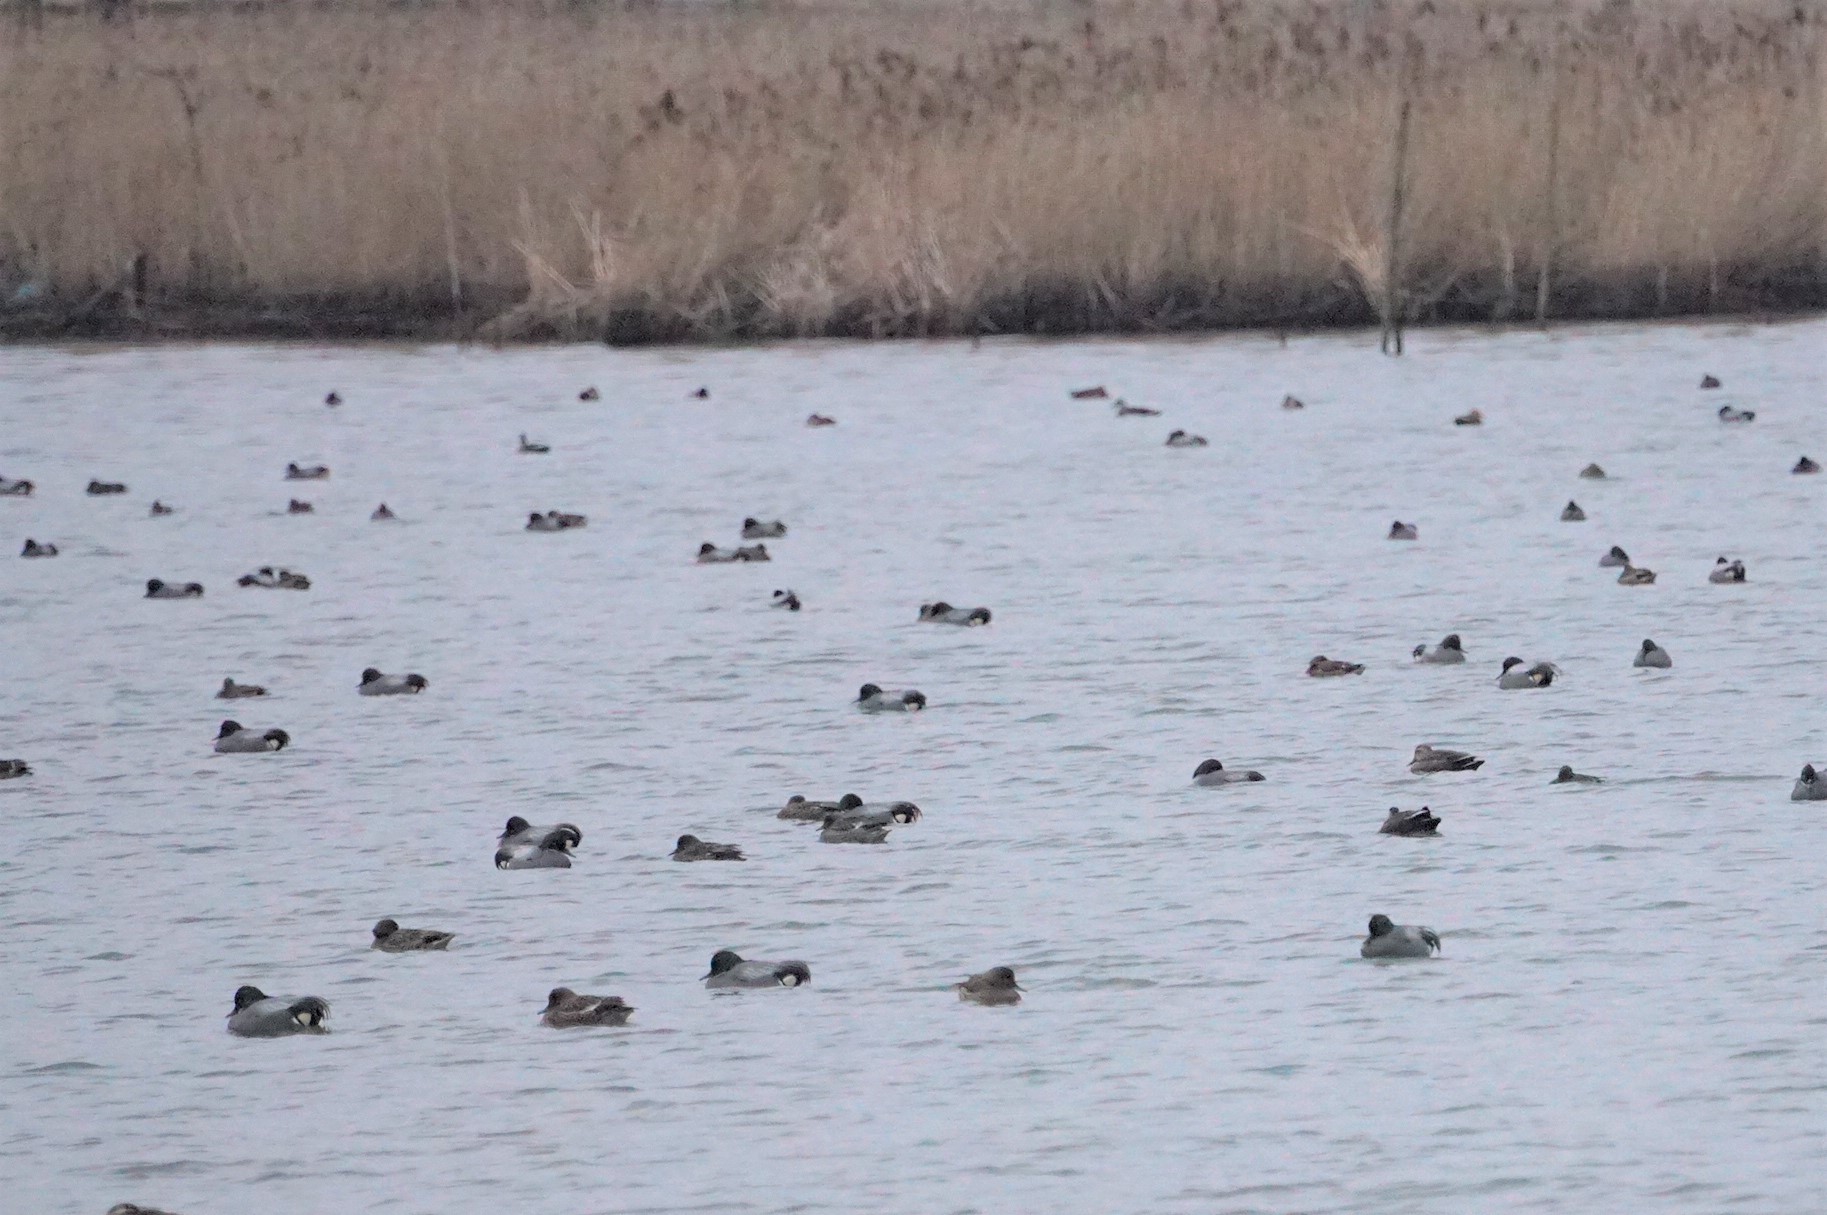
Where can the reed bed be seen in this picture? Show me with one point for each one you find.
(709, 173)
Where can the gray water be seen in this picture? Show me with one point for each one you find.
(1633, 987)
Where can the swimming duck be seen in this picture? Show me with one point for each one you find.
(1125, 410)
(296, 507)
(1802, 466)
(1808, 787)
(565, 1009)
(755, 529)
(235, 739)
(703, 394)
(1514, 676)
(129, 1208)
(1728, 414)
(238, 691)
(333, 399)
(941, 612)
(554, 521)
(1180, 438)
(1210, 774)
(993, 986)
(851, 833)
(389, 937)
(871, 699)
(158, 509)
(1727, 571)
(1652, 655)
(381, 514)
(521, 845)
(1323, 667)
(727, 969)
(98, 488)
(710, 554)
(819, 419)
(1475, 418)
(16, 489)
(272, 579)
(315, 472)
(1633, 575)
(1708, 381)
(800, 810)
(258, 1015)
(1410, 822)
(34, 549)
(376, 684)
(532, 449)
(1429, 759)
(590, 394)
(1404, 531)
(787, 600)
(1387, 940)
(1567, 776)
(155, 589)
(890, 814)
(1617, 558)
(691, 848)
(1571, 513)
(1090, 394)
(1448, 651)
(13, 769)
(1293, 402)
(1592, 472)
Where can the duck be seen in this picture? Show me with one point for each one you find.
(272, 579)
(19, 488)
(333, 399)
(1729, 414)
(131, 1208)
(554, 521)
(941, 612)
(1652, 655)
(157, 589)
(691, 848)
(1410, 822)
(1633, 575)
(995, 986)
(1404, 531)
(98, 488)
(1431, 759)
(1210, 774)
(34, 549)
(1450, 650)
(1538, 676)
(702, 394)
(238, 691)
(787, 600)
(819, 419)
(258, 1015)
(851, 833)
(159, 509)
(1802, 467)
(1125, 410)
(1390, 940)
(1323, 667)
(236, 739)
(1180, 438)
(1474, 418)
(565, 1009)
(1567, 776)
(1094, 393)
(1727, 571)
(801, 810)
(296, 507)
(314, 472)
(1292, 402)
(755, 529)
(1808, 787)
(1709, 381)
(728, 969)
(521, 845)
(1571, 513)
(389, 937)
(381, 514)
(871, 699)
(590, 394)
(1592, 472)
(710, 554)
(1617, 558)
(376, 684)
(13, 769)
(889, 814)
(532, 449)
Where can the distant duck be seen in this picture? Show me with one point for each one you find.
(532, 449)
(1515, 675)
(819, 419)
(1571, 513)
(333, 399)
(1293, 402)
(851, 833)
(1404, 531)
(156, 589)
(389, 937)
(275, 579)
(702, 394)
(381, 514)
(34, 549)
(1430, 759)
(1180, 438)
(129, 1208)
(1323, 667)
(1617, 558)
(1448, 651)
(295, 507)
(1652, 655)
(710, 554)
(1592, 472)
(1388, 940)
(521, 845)
(555, 521)
(800, 809)
(1125, 410)
(1708, 381)
(1474, 418)
(755, 529)
(1410, 822)
(13, 769)
(727, 969)
(565, 1009)
(19, 488)
(1210, 774)
(787, 600)
(691, 848)
(239, 691)
(376, 684)
(871, 699)
(590, 394)
(995, 986)
(1567, 776)
(98, 488)
(158, 509)
(314, 472)
(1090, 394)
(1727, 571)
(1808, 787)
(236, 739)
(941, 612)
(1728, 414)
(258, 1015)
(1633, 575)
(1802, 467)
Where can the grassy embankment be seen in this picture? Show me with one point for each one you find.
(656, 174)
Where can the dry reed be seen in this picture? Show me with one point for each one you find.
(685, 174)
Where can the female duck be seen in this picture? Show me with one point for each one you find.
(258, 1015)
(871, 699)
(727, 969)
(565, 1009)
(238, 691)
(376, 684)
(235, 739)
(1430, 759)
(1323, 667)
(691, 848)
(1652, 655)
(1567, 776)
(995, 986)
(1210, 774)
(389, 937)
(1389, 940)
(1450, 650)
(1635, 575)
(944, 613)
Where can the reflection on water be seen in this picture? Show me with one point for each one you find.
(1630, 991)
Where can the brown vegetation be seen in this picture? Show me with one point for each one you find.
(705, 173)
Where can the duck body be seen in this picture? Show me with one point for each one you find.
(1592, 472)
(872, 699)
(275, 579)
(786, 599)
(691, 848)
(555, 521)
(889, 814)
(312, 472)
(1323, 667)
(1125, 410)
(13, 769)
(1434, 759)
(1474, 418)
(755, 529)
(1448, 652)
(1636, 575)
(239, 691)
(389, 937)
(1404, 531)
(851, 833)
(819, 419)
(1725, 572)
(1095, 393)
(376, 684)
(1210, 774)
(710, 554)
(1567, 776)
(297, 507)
(1809, 787)
(1410, 822)
(1515, 675)
(258, 1015)
(97, 489)
(993, 987)
(1729, 414)
(1802, 468)
(1652, 655)
(381, 514)
(1292, 402)
(942, 612)
(1617, 558)
(1181, 438)
(566, 1009)
(34, 549)
(236, 739)
(1571, 513)
(156, 589)
(1389, 940)
(728, 969)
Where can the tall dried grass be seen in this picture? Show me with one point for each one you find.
(705, 173)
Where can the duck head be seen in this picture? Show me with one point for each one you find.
(722, 960)
(1511, 662)
(1210, 765)
(1381, 925)
(868, 690)
(385, 929)
(246, 996)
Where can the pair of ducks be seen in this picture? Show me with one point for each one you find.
(566, 1009)
(850, 820)
(272, 579)
(942, 612)
(872, 699)
(710, 554)
(521, 845)
(34, 549)
(313, 472)
(1628, 574)
(554, 521)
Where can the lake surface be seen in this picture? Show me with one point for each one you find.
(1632, 992)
